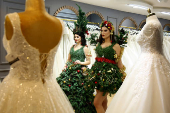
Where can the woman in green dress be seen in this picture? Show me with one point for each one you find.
(107, 73)
(73, 78)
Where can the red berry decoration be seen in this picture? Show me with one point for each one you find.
(78, 71)
(82, 83)
(98, 74)
(69, 85)
(90, 102)
(95, 82)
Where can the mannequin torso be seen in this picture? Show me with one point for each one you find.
(40, 29)
(149, 22)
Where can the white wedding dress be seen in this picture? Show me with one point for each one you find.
(131, 53)
(22, 90)
(166, 46)
(147, 87)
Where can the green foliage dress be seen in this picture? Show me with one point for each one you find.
(72, 81)
(105, 75)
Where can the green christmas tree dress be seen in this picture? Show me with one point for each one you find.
(104, 74)
(72, 81)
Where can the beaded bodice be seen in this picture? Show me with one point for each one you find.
(151, 37)
(78, 54)
(29, 64)
(107, 52)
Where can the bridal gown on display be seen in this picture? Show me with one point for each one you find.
(63, 50)
(166, 46)
(147, 87)
(131, 52)
(28, 89)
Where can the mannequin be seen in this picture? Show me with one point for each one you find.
(34, 33)
(31, 39)
(146, 88)
(151, 18)
(40, 29)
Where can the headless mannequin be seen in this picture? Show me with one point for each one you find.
(40, 29)
(151, 18)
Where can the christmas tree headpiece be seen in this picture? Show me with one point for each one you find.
(109, 25)
(80, 25)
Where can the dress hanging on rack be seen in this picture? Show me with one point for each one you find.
(132, 51)
(166, 45)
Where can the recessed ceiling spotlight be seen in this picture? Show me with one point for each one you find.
(138, 6)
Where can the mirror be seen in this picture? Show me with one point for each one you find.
(166, 28)
(142, 24)
(129, 23)
(93, 18)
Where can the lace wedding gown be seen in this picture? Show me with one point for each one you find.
(147, 88)
(23, 90)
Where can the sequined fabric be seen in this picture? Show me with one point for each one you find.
(23, 90)
(147, 88)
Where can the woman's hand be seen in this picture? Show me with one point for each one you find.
(77, 62)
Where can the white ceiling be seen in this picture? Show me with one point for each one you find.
(121, 5)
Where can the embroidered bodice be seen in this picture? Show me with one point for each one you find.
(151, 37)
(29, 65)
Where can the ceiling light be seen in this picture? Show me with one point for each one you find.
(166, 13)
(138, 6)
(159, 0)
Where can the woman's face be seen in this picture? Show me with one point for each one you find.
(105, 32)
(77, 38)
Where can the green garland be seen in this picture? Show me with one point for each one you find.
(92, 39)
(121, 39)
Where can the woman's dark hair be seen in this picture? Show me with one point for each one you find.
(83, 40)
(112, 37)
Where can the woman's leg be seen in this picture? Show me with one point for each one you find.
(105, 104)
(98, 102)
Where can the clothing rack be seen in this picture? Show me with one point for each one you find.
(128, 27)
